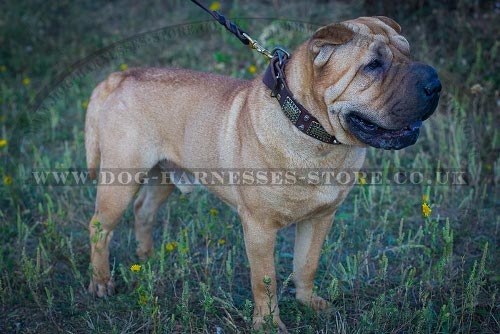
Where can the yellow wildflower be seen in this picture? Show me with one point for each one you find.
(26, 81)
(362, 181)
(135, 268)
(221, 242)
(3, 142)
(252, 69)
(144, 300)
(3, 68)
(123, 67)
(425, 198)
(215, 5)
(85, 104)
(3, 118)
(7, 180)
(214, 212)
(426, 210)
(171, 246)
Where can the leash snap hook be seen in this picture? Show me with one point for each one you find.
(254, 44)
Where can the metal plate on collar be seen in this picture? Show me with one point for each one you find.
(317, 131)
(291, 110)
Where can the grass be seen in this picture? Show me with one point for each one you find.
(385, 267)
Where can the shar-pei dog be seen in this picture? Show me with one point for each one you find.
(349, 86)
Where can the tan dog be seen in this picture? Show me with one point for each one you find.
(356, 78)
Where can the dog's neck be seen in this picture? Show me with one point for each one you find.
(299, 76)
(278, 135)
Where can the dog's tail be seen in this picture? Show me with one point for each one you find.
(97, 99)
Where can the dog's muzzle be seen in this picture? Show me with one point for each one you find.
(419, 96)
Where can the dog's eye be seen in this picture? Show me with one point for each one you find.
(374, 65)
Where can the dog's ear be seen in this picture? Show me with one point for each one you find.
(390, 22)
(324, 40)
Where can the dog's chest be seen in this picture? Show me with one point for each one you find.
(315, 187)
(289, 204)
(317, 201)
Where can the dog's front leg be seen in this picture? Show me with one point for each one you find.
(309, 238)
(260, 239)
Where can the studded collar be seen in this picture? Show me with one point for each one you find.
(274, 78)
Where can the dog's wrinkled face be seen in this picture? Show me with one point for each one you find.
(370, 86)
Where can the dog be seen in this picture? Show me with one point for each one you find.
(355, 79)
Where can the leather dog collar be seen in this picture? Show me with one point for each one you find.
(274, 78)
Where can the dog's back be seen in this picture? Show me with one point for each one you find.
(124, 96)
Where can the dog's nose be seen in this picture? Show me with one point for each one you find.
(433, 87)
(427, 80)
(424, 90)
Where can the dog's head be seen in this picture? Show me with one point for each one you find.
(373, 92)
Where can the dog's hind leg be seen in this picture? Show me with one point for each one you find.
(146, 206)
(110, 204)
(112, 201)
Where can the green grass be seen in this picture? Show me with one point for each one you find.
(385, 267)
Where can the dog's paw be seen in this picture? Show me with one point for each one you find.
(102, 289)
(144, 254)
(261, 326)
(314, 301)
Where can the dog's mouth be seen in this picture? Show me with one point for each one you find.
(379, 137)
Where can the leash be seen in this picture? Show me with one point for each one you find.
(274, 79)
(242, 35)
